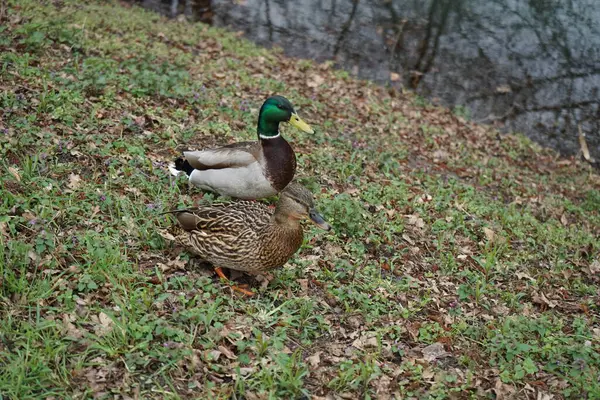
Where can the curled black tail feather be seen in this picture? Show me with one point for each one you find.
(183, 165)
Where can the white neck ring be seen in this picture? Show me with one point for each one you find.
(260, 135)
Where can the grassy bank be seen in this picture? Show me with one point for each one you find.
(463, 263)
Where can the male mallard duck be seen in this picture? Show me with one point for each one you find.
(246, 236)
(248, 170)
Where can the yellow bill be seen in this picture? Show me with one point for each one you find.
(298, 123)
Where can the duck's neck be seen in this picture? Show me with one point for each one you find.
(284, 215)
(285, 221)
(267, 137)
(281, 238)
(267, 129)
(284, 226)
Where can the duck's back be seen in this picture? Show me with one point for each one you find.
(227, 234)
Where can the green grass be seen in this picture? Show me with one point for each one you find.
(444, 231)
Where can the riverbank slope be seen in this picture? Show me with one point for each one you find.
(463, 263)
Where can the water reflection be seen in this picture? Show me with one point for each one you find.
(524, 65)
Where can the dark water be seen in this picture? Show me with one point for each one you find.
(531, 66)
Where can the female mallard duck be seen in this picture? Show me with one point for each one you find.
(248, 170)
(246, 236)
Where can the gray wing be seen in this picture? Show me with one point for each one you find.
(234, 155)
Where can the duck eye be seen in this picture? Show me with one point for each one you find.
(280, 106)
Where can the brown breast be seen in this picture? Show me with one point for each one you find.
(279, 246)
(280, 162)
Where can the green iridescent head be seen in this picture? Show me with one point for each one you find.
(278, 109)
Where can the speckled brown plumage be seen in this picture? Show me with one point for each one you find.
(247, 236)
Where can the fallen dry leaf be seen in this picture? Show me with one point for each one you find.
(80, 301)
(408, 239)
(315, 359)
(105, 324)
(33, 255)
(227, 353)
(415, 220)
(251, 396)
(364, 341)
(74, 181)
(3, 230)
(440, 155)
(503, 391)
(489, 234)
(544, 396)
(428, 373)
(178, 263)
(540, 298)
(214, 355)
(133, 190)
(303, 285)
(594, 267)
(28, 215)
(382, 386)
(434, 352)
(523, 275)
(69, 328)
(314, 81)
(564, 220)
(15, 173)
